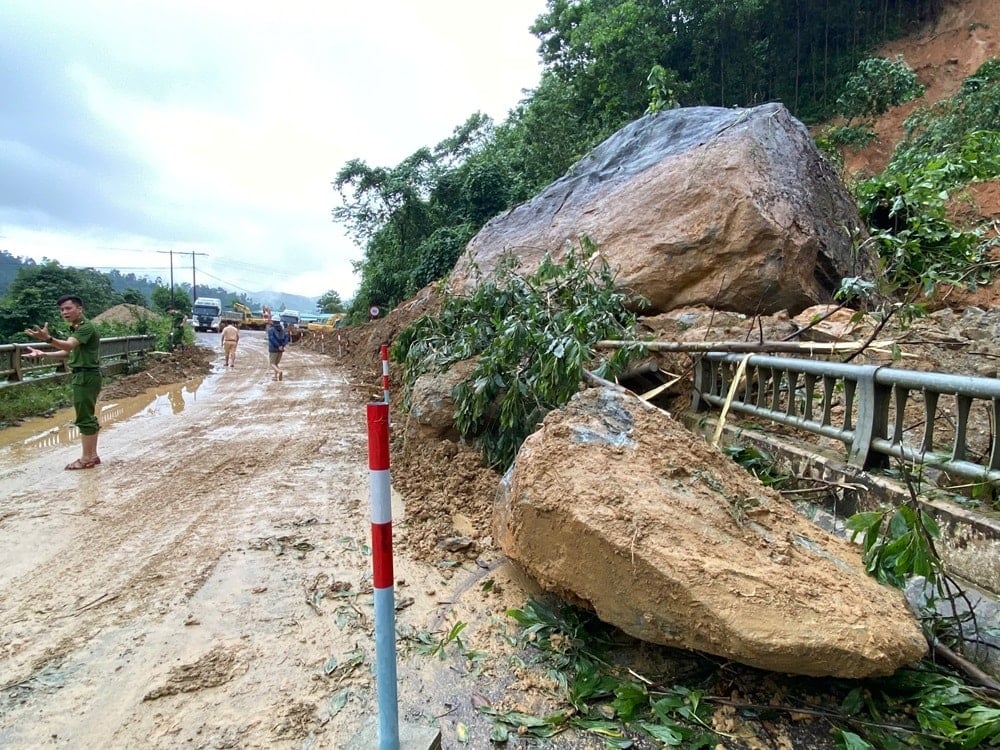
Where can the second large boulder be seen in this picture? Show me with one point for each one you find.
(614, 505)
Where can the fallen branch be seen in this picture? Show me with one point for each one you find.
(970, 670)
(743, 347)
(646, 368)
(102, 599)
(820, 712)
(798, 332)
(599, 382)
(870, 341)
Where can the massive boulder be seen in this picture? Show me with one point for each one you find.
(731, 208)
(614, 505)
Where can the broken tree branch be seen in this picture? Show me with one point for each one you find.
(743, 347)
(597, 381)
(966, 667)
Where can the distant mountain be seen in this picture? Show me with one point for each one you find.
(11, 265)
(283, 301)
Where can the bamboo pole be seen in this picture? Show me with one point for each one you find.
(740, 370)
(742, 347)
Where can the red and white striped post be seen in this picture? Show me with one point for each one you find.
(382, 576)
(384, 352)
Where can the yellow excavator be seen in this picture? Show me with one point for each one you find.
(249, 320)
(326, 325)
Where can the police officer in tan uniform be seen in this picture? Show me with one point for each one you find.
(230, 338)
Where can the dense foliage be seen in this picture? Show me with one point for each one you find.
(948, 145)
(606, 63)
(31, 296)
(531, 337)
(876, 85)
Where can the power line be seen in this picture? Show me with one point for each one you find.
(194, 282)
(243, 265)
(129, 268)
(228, 283)
(126, 249)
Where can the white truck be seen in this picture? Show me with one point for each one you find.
(206, 315)
(290, 318)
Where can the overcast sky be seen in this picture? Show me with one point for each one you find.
(131, 128)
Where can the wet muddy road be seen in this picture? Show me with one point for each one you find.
(206, 585)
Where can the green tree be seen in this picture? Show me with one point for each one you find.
(134, 297)
(605, 49)
(413, 219)
(31, 297)
(163, 300)
(877, 85)
(10, 266)
(330, 302)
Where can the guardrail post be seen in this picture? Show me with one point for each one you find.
(873, 419)
(702, 383)
(18, 368)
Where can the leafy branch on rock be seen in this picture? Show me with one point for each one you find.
(532, 336)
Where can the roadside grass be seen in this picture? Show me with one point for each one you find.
(33, 399)
(156, 326)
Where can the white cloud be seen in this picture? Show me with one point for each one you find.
(217, 127)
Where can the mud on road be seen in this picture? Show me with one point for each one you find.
(208, 585)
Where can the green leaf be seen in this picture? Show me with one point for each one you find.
(499, 734)
(337, 701)
(628, 697)
(667, 734)
(851, 741)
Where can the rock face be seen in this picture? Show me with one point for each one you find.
(614, 505)
(432, 408)
(731, 208)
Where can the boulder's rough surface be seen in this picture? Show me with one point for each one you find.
(432, 407)
(614, 505)
(731, 208)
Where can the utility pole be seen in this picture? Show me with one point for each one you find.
(171, 252)
(194, 282)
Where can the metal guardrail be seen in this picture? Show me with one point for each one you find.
(878, 412)
(14, 367)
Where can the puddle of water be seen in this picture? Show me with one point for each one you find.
(51, 432)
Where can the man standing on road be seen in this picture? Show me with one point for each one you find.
(81, 350)
(230, 338)
(277, 340)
